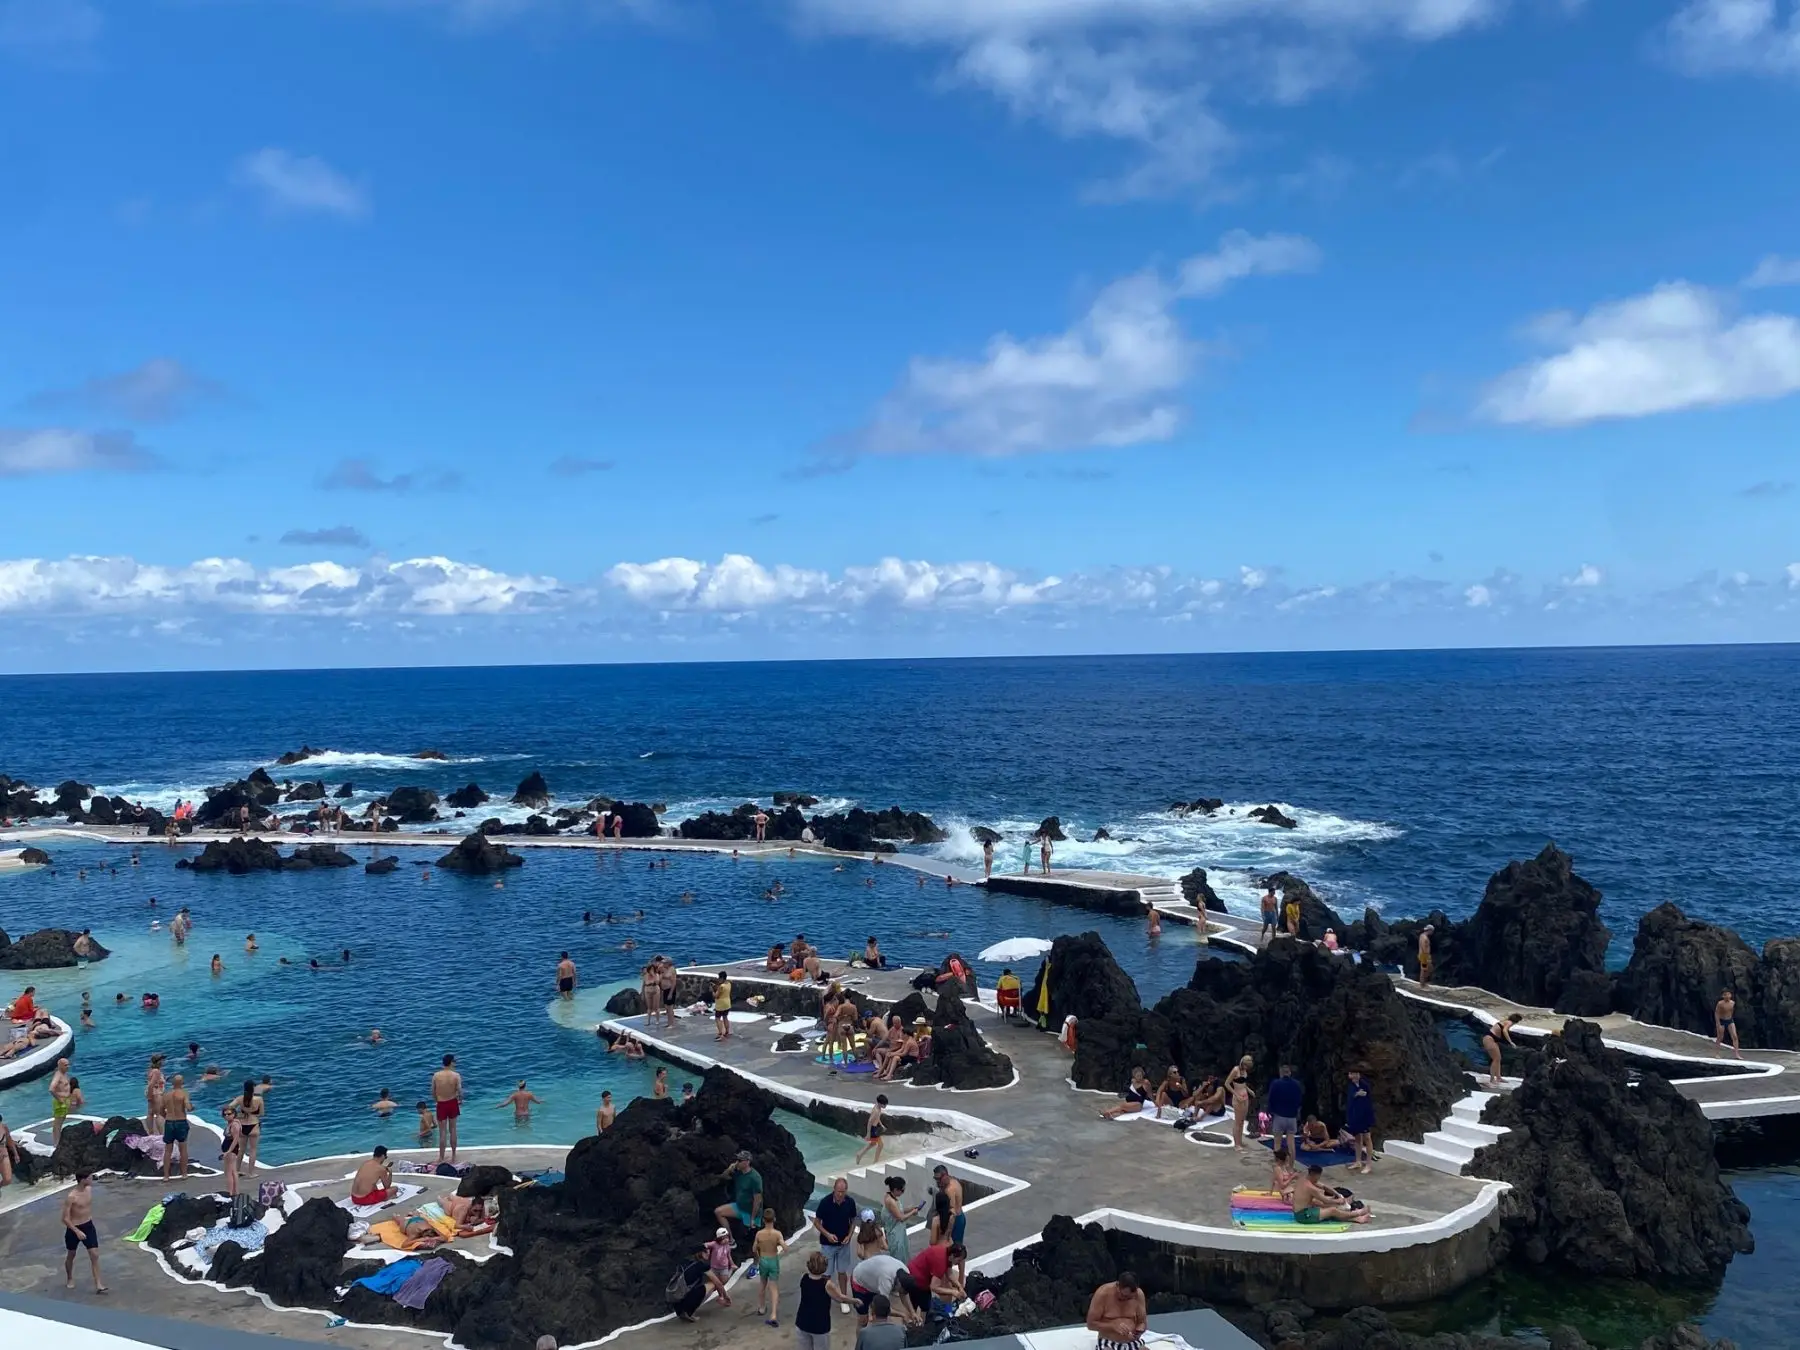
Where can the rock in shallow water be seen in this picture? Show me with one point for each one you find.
(477, 855)
(46, 949)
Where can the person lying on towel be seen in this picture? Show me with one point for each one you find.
(374, 1180)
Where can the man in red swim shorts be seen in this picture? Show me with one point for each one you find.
(373, 1180)
(446, 1091)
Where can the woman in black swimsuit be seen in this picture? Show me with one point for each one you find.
(249, 1114)
(1137, 1092)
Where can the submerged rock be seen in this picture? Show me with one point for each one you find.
(532, 791)
(1272, 815)
(1610, 1176)
(380, 867)
(478, 855)
(429, 754)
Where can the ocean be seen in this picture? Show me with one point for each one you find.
(1666, 773)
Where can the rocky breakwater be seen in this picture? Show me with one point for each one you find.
(478, 855)
(786, 823)
(240, 857)
(1536, 938)
(411, 805)
(1679, 967)
(1611, 1174)
(46, 949)
(852, 831)
(19, 800)
(1294, 1004)
(589, 1255)
(223, 805)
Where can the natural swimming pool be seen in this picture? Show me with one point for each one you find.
(453, 964)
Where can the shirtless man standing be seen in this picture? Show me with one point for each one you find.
(174, 1112)
(60, 1092)
(604, 1117)
(1118, 1314)
(446, 1092)
(1425, 956)
(762, 825)
(1725, 1021)
(565, 977)
(78, 1231)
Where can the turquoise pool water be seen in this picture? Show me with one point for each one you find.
(453, 964)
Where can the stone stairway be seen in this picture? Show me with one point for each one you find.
(1452, 1146)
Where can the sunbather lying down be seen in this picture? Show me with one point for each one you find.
(432, 1225)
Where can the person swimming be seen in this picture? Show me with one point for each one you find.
(384, 1104)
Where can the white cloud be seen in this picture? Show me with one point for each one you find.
(1148, 73)
(157, 391)
(429, 586)
(45, 450)
(1586, 575)
(1252, 578)
(1774, 271)
(1678, 347)
(1111, 379)
(1793, 576)
(291, 184)
(1478, 596)
(1711, 37)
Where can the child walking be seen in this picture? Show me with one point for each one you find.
(719, 1264)
(872, 1136)
(768, 1249)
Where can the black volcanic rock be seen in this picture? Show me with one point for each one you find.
(1315, 915)
(238, 856)
(532, 791)
(981, 834)
(412, 805)
(640, 820)
(1270, 815)
(257, 791)
(804, 800)
(46, 949)
(1298, 1004)
(1197, 892)
(429, 754)
(296, 756)
(960, 1058)
(1050, 828)
(1610, 1176)
(1100, 834)
(860, 831)
(317, 855)
(305, 792)
(466, 798)
(380, 867)
(625, 1003)
(1679, 966)
(302, 1259)
(478, 855)
(738, 823)
(69, 796)
(344, 790)
(34, 857)
(1088, 984)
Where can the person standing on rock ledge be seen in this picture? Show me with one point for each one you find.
(1118, 1314)
(1725, 1020)
(1359, 1121)
(1425, 955)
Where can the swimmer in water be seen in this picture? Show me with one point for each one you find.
(629, 944)
(212, 1074)
(218, 966)
(521, 1100)
(375, 1036)
(427, 1121)
(249, 942)
(384, 1104)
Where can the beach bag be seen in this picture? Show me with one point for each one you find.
(270, 1193)
(243, 1211)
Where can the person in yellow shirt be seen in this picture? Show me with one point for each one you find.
(722, 1008)
(1006, 993)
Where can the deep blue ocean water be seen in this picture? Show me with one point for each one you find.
(1667, 773)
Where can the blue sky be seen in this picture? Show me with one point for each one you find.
(344, 331)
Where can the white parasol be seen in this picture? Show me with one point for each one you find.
(1016, 949)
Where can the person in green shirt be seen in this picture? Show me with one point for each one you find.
(746, 1185)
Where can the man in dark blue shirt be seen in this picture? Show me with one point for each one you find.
(1359, 1121)
(1286, 1097)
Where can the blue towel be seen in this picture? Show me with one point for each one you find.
(419, 1288)
(1308, 1157)
(389, 1278)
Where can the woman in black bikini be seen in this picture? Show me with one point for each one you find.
(1137, 1093)
(249, 1114)
(1496, 1036)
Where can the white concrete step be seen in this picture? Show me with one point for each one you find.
(1424, 1156)
(1471, 1106)
(1470, 1132)
(1439, 1141)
